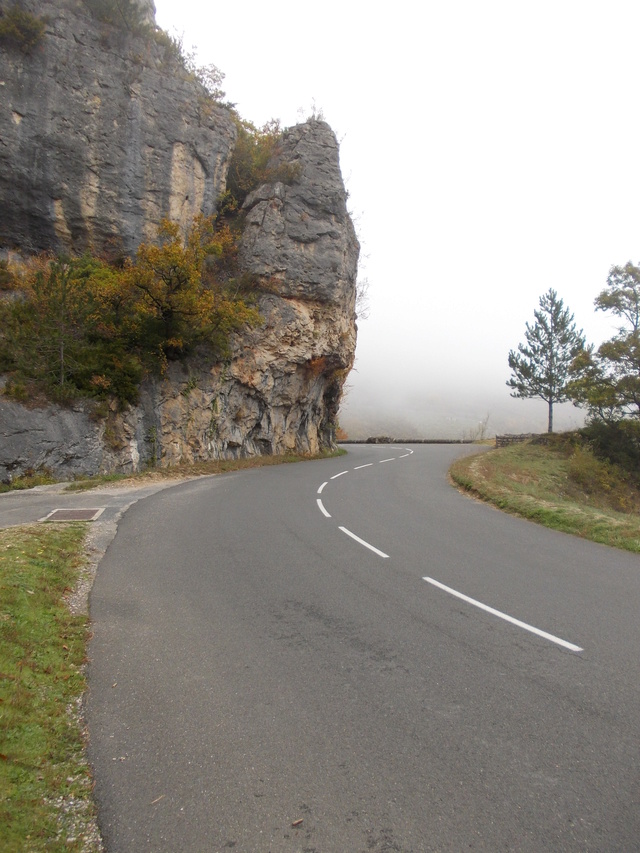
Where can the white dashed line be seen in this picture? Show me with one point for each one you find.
(504, 616)
(404, 455)
(366, 544)
(341, 474)
(322, 509)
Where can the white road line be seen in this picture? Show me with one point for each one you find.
(404, 455)
(322, 509)
(366, 544)
(321, 488)
(504, 616)
(335, 476)
(358, 467)
(393, 459)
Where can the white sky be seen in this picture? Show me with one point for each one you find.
(491, 151)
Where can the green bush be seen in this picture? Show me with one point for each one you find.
(617, 441)
(252, 162)
(83, 328)
(20, 29)
(7, 278)
(122, 14)
(590, 473)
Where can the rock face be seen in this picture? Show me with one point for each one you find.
(101, 137)
(280, 390)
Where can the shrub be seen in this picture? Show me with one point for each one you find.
(83, 328)
(591, 473)
(20, 29)
(123, 14)
(253, 162)
(7, 278)
(616, 441)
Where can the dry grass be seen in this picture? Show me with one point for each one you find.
(559, 485)
(195, 469)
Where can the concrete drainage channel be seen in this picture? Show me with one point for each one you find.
(71, 514)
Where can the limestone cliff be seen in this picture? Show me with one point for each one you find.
(101, 137)
(138, 149)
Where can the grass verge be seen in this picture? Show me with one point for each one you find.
(561, 485)
(28, 481)
(45, 782)
(197, 469)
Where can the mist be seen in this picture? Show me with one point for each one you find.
(489, 153)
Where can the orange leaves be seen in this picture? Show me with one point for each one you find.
(179, 293)
(88, 328)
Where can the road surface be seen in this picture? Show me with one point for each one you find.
(282, 661)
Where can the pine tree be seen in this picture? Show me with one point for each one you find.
(541, 367)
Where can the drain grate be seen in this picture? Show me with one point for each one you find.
(73, 514)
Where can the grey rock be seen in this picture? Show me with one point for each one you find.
(300, 237)
(102, 135)
(96, 145)
(52, 438)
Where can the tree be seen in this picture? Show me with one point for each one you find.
(179, 300)
(70, 331)
(541, 368)
(607, 381)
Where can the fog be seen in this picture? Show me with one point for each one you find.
(490, 153)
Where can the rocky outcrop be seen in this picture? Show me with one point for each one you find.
(101, 137)
(280, 389)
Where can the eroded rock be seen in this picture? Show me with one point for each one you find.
(97, 147)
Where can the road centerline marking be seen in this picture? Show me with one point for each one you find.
(322, 487)
(505, 616)
(335, 476)
(358, 467)
(322, 509)
(366, 544)
(393, 459)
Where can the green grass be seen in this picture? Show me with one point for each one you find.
(561, 485)
(45, 784)
(28, 481)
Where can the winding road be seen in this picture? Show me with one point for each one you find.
(349, 655)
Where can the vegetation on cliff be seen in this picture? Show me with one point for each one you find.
(20, 29)
(91, 327)
(83, 327)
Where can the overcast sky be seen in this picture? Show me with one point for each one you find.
(490, 150)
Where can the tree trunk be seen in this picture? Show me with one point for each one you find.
(550, 429)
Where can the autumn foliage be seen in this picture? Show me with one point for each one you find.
(81, 327)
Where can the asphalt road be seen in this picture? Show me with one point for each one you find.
(261, 680)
